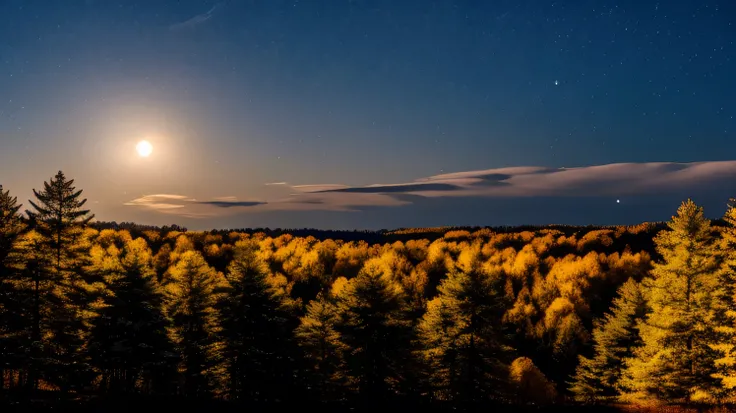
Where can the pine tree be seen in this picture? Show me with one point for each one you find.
(258, 334)
(727, 307)
(33, 301)
(374, 325)
(59, 218)
(128, 339)
(615, 339)
(11, 224)
(322, 343)
(58, 215)
(191, 297)
(11, 227)
(677, 361)
(464, 346)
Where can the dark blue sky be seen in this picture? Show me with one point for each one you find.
(235, 95)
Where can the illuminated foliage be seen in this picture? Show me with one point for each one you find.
(464, 347)
(529, 383)
(373, 324)
(11, 227)
(256, 330)
(676, 360)
(58, 215)
(445, 314)
(128, 342)
(191, 296)
(615, 338)
(59, 248)
(317, 334)
(726, 310)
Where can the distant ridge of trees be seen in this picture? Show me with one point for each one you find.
(635, 316)
(384, 235)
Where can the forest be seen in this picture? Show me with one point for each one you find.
(625, 316)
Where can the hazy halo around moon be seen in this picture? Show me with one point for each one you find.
(144, 149)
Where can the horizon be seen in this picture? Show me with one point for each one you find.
(371, 114)
(667, 192)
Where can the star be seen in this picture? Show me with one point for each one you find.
(557, 82)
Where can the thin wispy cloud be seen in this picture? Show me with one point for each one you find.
(188, 207)
(231, 204)
(198, 19)
(598, 180)
(621, 179)
(161, 202)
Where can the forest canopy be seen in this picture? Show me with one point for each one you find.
(638, 315)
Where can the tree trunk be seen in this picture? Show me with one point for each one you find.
(36, 332)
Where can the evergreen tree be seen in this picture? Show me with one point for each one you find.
(258, 334)
(59, 218)
(128, 339)
(11, 224)
(727, 306)
(615, 339)
(464, 347)
(318, 336)
(191, 296)
(374, 325)
(33, 299)
(58, 215)
(11, 227)
(677, 360)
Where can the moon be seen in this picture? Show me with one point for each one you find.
(144, 149)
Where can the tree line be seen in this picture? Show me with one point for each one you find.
(638, 315)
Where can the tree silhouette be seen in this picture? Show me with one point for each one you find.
(11, 224)
(191, 295)
(128, 341)
(615, 339)
(256, 329)
(318, 336)
(373, 324)
(58, 215)
(464, 346)
(11, 227)
(53, 256)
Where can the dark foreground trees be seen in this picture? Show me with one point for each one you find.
(128, 341)
(463, 343)
(615, 337)
(532, 317)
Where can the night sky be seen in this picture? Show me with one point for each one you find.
(372, 114)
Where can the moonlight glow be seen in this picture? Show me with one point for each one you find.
(144, 149)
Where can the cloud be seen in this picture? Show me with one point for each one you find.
(620, 179)
(197, 20)
(396, 188)
(231, 204)
(189, 207)
(614, 180)
(319, 187)
(161, 202)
